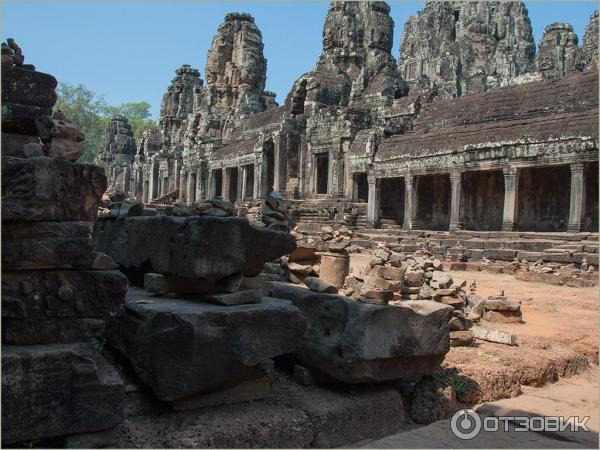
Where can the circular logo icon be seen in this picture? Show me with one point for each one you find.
(465, 424)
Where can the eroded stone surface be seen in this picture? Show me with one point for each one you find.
(358, 342)
(216, 346)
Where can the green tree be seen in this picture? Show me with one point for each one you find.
(90, 113)
(86, 110)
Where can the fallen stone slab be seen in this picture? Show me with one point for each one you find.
(46, 245)
(183, 347)
(243, 297)
(503, 316)
(501, 303)
(500, 337)
(203, 247)
(67, 389)
(357, 342)
(28, 87)
(50, 189)
(159, 283)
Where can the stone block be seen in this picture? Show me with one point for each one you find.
(461, 338)
(383, 295)
(403, 340)
(245, 391)
(20, 145)
(499, 337)
(441, 280)
(560, 257)
(56, 390)
(50, 189)
(500, 303)
(46, 245)
(28, 87)
(244, 297)
(388, 273)
(592, 258)
(503, 316)
(413, 278)
(503, 254)
(382, 283)
(203, 247)
(455, 302)
(65, 149)
(181, 348)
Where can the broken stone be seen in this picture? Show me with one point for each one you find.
(334, 268)
(413, 278)
(190, 247)
(180, 348)
(304, 269)
(86, 393)
(455, 302)
(389, 273)
(500, 337)
(441, 280)
(461, 338)
(336, 344)
(236, 298)
(319, 285)
(499, 303)
(230, 283)
(159, 283)
(455, 324)
(383, 295)
(503, 316)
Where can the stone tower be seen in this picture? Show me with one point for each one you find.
(117, 153)
(466, 47)
(590, 41)
(559, 54)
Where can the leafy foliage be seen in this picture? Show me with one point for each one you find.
(90, 113)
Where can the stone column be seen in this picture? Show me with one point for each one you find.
(577, 197)
(183, 186)
(276, 162)
(373, 203)
(189, 192)
(410, 203)
(456, 216)
(211, 185)
(151, 182)
(511, 188)
(242, 172)
(225, 184)
(256, 189)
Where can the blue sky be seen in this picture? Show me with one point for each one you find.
(129, 51)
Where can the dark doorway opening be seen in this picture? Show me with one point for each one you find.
(392, 201)
(433, 202)
(233, 184)
(218, 177)
(543, 198)
(269, 149)
(362, 187)
(322, 166)
(249, 192)
(193, 184)
(483, 200)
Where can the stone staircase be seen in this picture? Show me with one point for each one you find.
(312, 213)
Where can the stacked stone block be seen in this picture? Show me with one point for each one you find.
(55, 295)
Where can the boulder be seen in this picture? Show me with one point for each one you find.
(50, 189)
(441, 280)
(181, 348)
(501, 303)
(56, 390)
(413, 278)
(203, 247)
(357, 342)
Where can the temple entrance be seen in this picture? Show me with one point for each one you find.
(233, 184)
(483, 200)
(590, 206)
(248, 193)
(218, 183)
(322, 172)
(392, 201)
(433, 202)
(361, 187)
(269, 158)
(543, 198)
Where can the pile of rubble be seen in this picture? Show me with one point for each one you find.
(116, 205)
(57, 292)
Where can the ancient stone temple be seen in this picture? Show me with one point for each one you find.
(469, 128)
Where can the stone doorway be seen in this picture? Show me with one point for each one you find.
(322, 172)
(248, 193)
(483, 200)
(590, 207)
(543, 198)
(233, 184)
(361, 187)
(392, 201)
(269, 155)
(218, 180)
(433, 202)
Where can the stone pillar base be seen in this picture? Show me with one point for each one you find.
(508, 226)
(574, 228)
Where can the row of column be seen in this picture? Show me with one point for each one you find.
(511, 188)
